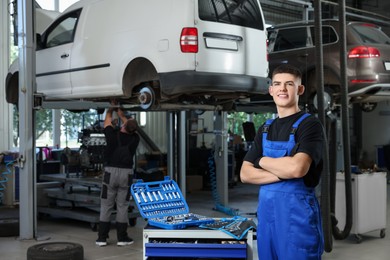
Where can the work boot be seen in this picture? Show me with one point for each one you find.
(104, 228)
(121, 231)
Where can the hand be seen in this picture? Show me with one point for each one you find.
(120, 112)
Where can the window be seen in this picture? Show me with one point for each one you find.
(291, 38)
(371, 34)
(238, 12)
(328, 34)
(63, 32)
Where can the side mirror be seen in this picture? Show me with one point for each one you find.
(39, 41)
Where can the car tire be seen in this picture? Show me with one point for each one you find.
(330, 89)
(328, 99)
(56, 250)
(12, 89)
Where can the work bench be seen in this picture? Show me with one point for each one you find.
(77, 197)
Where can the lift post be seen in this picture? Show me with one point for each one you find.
(221, 155)
(27, 87)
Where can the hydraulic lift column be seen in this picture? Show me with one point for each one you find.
(177, 161)
(27, 88)
(221, 155)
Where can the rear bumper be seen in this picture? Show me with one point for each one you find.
(191, 82)
(375, 91)
(371, 93)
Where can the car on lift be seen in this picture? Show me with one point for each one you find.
(368, 60)
(152, 54)
(43, 18)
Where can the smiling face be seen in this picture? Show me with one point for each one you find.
(285, 90)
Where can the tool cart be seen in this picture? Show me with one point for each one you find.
(194, 241)
(173, 231)
(369, 203)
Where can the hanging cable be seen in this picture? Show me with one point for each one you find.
(213, 181)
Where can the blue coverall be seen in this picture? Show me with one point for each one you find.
(289, 219)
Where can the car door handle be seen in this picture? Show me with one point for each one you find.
(65, 55)
(304, 55)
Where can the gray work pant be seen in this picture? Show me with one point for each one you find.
(115, 191)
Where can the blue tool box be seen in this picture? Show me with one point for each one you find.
(164, 206)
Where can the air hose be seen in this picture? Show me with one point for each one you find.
(4, 179)
(337, 234)
(213, 181)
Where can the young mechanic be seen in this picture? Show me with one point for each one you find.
(286, 161)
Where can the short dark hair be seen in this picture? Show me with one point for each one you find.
(287, 68)
(131, 125)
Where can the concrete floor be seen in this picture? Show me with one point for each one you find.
(241, 196)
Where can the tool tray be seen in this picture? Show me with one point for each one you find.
(163, 205)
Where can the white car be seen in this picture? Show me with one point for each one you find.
(156, 54)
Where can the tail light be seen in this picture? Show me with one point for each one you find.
(363, 52)
(189, 40)
(355, 81)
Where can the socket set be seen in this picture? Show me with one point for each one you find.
(164, 206)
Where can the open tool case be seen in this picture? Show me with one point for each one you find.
(164, 206)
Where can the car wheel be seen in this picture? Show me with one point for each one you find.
(56, 250)
(328, 99)
(146, 97)
(12, 89)
(368, 106)
(331, 87)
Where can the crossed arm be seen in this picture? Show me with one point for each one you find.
(273, 169)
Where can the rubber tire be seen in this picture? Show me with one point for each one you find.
(9, 227)
(56, 250)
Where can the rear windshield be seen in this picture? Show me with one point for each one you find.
(369, 33)
(238, 12)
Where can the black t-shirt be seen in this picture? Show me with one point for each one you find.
(115, 152)
(309, 135)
